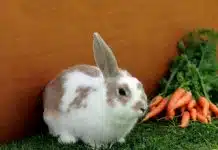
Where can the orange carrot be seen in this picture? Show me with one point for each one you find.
(193, 113)
(179, 92)
(213, 108)
(209, 116)
(182, 109)
(152, 108)
(170, 115)
(155, 101)
(204, 103)
(191, 104)
(185, 119)
(185, 99)
(201, 118)
(159, 108)
(198, 108)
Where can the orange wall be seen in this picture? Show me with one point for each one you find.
(39, 38)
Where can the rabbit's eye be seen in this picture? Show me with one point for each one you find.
(122, 92)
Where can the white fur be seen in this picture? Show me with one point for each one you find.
(73, 81)
(97, 124)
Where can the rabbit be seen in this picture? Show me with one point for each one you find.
(98, 105)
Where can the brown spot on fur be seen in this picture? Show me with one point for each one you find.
(82, 93)
(112, 86)
(124, 85)
(112, 93)
(124, 99)
(124, 72)
(52, 95)
(139, 86)
(111, 102)
(51, 112)
(89, 70)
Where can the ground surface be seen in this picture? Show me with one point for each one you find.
(149, 136)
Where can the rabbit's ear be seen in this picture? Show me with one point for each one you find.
(104, 57)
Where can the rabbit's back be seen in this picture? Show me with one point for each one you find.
(78, 86)
(71, 88)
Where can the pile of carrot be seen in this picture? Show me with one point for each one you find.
(183, 103)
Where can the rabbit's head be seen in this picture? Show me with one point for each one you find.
(125, 94)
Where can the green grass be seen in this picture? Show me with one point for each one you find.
(147, 136)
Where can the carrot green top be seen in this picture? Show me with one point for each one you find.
(195, 68)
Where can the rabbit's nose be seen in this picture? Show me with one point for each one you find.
(140, 105)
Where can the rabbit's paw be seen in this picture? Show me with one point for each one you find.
(121, 140)
(66, 138)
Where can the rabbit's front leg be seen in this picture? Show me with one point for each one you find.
(122, 140)
(66, 138)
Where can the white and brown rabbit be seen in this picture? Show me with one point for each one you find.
(97, 105)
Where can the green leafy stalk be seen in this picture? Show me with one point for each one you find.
(173, 74)
(195, 68)
(202, 84)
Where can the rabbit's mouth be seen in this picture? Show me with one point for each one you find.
(140, 107)
(142, 110)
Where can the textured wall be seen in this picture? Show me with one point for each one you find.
(38, 38)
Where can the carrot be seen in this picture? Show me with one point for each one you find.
(198, 108)
(179, 92)
(185, 99)
(170, 115)
(191, 104)
(209, 116)
(204, 103)
(193, 113)
(155, 101)
(185, 119)
(213, 108)
(201, 118)
(152, 108)
(182, 109)
(158, 109)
